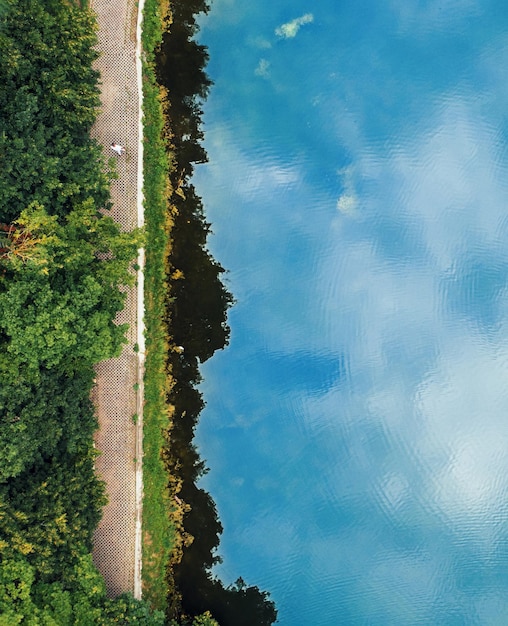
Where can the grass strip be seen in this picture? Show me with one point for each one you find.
(159, 533)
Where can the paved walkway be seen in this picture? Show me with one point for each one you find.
(117, 541)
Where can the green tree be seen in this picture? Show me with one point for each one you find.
(48, 103)
(36, 419)
(57, 306)
(68, 325)
(16, 579)
(205, 619)
(24, 600)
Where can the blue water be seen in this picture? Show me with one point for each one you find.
(357, 425)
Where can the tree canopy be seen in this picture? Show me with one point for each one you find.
(59, 300)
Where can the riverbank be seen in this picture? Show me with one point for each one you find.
(196, 303)
(161, 512)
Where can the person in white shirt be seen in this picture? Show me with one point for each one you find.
(117, 148)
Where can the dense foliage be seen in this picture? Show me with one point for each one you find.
(47, 105)
(62, 265)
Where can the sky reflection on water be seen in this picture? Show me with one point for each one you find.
(356, 427)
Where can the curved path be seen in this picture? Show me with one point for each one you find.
(118, 394)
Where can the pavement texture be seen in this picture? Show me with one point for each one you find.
(116, 396)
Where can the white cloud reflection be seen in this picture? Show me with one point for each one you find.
(408, 447)
(263, 68)
(427, 345)
(289, 30)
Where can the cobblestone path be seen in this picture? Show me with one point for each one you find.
(116, 396)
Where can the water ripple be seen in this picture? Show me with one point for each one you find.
(357, 189)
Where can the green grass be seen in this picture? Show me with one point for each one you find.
(159, 533)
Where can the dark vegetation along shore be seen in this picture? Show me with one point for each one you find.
(195, 319)
(63, 263)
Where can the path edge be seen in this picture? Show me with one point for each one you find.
(138, 541)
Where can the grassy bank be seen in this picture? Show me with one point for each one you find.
(164, 534)
(158, 529)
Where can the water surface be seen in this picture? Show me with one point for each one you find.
(357, 426)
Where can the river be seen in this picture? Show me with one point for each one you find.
(356, 427)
